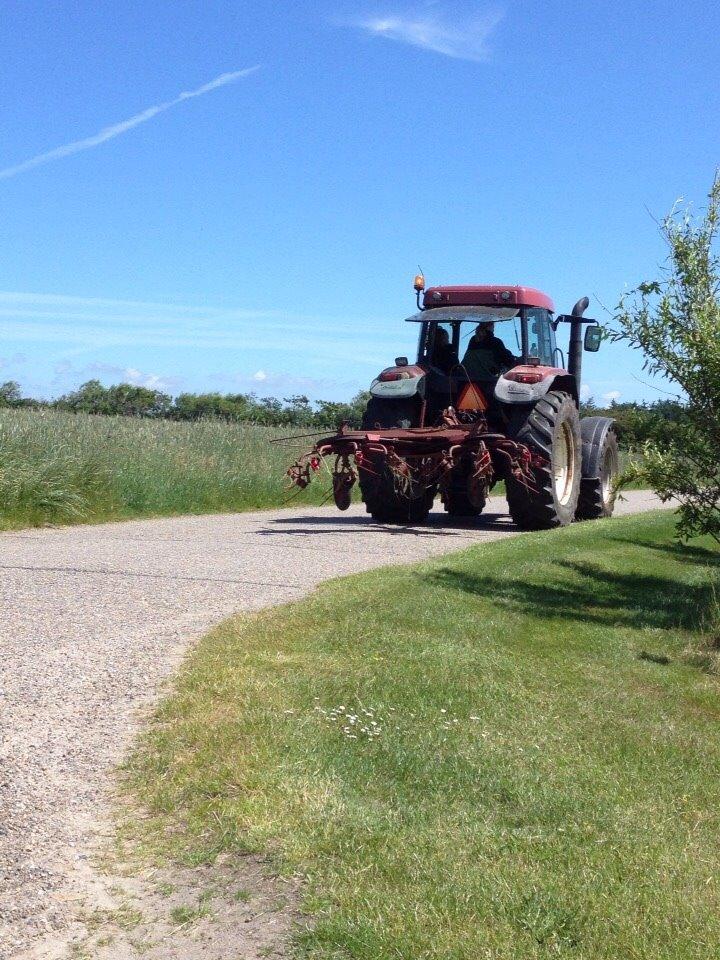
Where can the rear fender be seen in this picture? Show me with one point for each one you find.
(592, 434)
(400, 382)
(508, 391)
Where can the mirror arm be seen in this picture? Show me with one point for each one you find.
(568, 318)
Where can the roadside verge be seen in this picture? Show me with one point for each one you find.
(511, 751)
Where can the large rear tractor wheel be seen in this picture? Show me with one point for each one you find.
(384, 500)
(381, 412)
(600, 468)
(552, 433)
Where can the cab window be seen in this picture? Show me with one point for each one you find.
(541, 336)
(440, 346)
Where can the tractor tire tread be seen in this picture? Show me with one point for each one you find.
(540, 510)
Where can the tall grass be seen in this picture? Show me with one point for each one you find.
(60, 467)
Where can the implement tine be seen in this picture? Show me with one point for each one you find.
(299, 436)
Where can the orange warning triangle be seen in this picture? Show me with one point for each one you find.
(472, 398)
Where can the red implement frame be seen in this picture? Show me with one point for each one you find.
(418, 457)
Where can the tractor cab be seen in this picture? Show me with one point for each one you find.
(460, 346)
(485, 349)
(524, 335)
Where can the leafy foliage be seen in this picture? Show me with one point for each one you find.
(675, 321)
(10, 394)
(637, 423)
(127, 400)
(123, 399)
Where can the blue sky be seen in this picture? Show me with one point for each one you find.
(238, 194)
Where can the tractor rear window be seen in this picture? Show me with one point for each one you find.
(460, 340)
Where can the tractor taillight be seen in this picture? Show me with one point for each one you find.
(394, 374)
(518, 376)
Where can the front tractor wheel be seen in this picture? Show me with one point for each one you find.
(552, 434)
(600, 468)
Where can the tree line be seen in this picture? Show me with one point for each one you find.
(637, 422)
(130, 400)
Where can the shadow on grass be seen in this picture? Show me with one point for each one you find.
(587, 593)
(683, 552)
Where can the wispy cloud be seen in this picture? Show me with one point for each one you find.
(66, 371)
(280, 383)
(172, 346)
(87, 324)
(15, 360)
(464, 38)
(109, 133)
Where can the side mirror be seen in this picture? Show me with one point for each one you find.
(401, 361)
(593, 338)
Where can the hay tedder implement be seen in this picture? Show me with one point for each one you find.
(474, 409)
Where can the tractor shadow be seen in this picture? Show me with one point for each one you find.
(589, 593)
(437, 525)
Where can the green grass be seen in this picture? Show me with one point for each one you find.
(71, 468)
(538, 787)
(184, 914)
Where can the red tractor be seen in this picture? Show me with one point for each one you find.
(489, 398)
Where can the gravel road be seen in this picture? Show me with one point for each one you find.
(92, 621)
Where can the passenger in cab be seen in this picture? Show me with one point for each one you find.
(443, 355)
(487, 356)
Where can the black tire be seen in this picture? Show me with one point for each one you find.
(552, 431)
(456, 498)
(458, 504)
(382, 499)
(381, 412)
(386, 504)
(600, 469)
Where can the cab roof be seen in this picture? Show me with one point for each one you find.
(486, 296)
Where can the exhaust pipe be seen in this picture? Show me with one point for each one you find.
(575, 348)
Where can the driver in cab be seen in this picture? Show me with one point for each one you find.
(487, 356)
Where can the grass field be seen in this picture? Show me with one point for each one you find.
(511, 752)
(62, 468)
(68, 468)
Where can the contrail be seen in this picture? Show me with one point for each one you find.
(108, 133)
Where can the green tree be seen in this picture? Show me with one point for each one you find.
(122, 399)
(675, 321)
(331, 414)
(10, 394)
